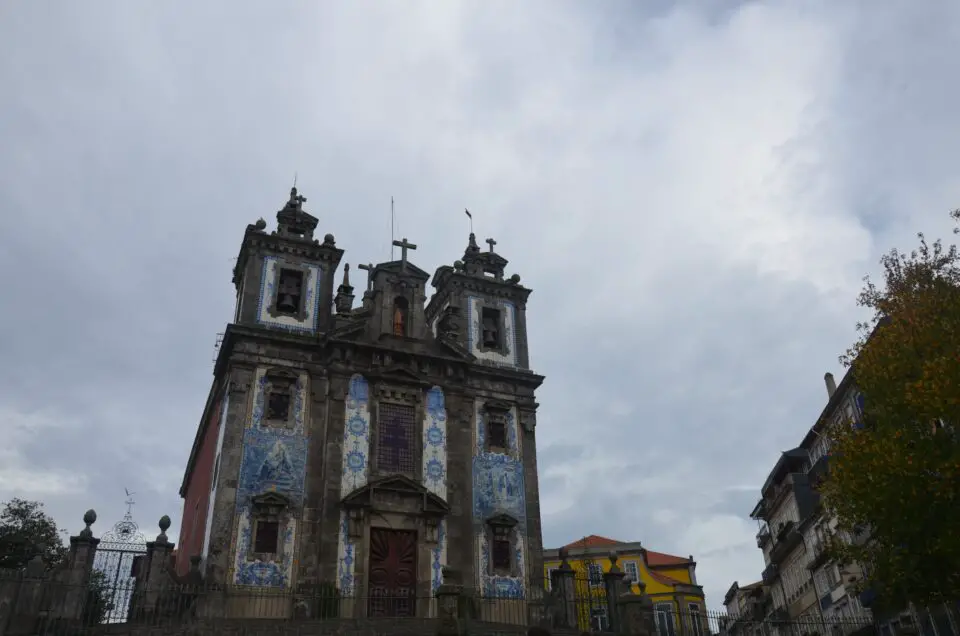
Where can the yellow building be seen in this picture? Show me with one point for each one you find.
(670, 581)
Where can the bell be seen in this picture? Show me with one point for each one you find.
(286, 303)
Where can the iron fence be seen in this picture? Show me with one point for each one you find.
(126, 607)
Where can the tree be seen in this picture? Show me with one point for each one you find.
(26, 531)
(895, 477)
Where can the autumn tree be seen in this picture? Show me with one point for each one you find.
(894, 478)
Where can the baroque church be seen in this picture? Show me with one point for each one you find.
(374, 446)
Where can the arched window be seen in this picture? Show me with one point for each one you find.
(399, 316)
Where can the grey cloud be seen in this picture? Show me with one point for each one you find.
(693, 191)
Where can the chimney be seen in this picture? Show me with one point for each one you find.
(831, 384)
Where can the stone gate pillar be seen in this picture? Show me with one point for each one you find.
(613, 582)
(636, 613)
(563, 588)
(75, 578)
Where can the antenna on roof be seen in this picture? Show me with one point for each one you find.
(393, 226)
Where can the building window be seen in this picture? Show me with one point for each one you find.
(289, 291)
(695, 621)
(550, 572)
(396, 450)
(278, 405)
(665, 622)
(496, 431)
(632, 570)
(500, 551)
(598, 619)
(490, 324)
(266, 538)
(595, 574)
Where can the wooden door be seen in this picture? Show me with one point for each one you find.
(393, 572)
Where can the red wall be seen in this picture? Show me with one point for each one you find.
(196, 500)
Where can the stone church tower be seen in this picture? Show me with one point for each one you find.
(367, 446)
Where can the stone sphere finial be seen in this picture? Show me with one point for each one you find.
(328, 239)
(612, 555)
(164, 526)
(89, 518)
(457, 266)
(515, 278)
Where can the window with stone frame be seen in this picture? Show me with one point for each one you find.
(266, 536)
(632, 570)
(491, 329)
(595, 574)
(696, 621)
(502, 546)
(290, 284)
(497, 430)
(396, 439)
(268, 519)
(666, 623)
(278, 401)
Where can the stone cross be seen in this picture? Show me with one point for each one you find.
(404, 246)
(491, 243)
(368, 268)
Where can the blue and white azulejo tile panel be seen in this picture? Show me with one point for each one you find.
(498, 488)
(439, 556)
(508, 357)
(276, 573)
(356, 437)
(435, 444)
(346, 558)
(269, 279)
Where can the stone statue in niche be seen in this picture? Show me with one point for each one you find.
(449, 324)
(400, 316)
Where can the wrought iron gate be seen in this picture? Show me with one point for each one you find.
(120, 551)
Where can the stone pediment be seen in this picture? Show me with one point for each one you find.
(400, 375)
(397, 493)
(398, 268)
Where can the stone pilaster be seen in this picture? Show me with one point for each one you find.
(75, 578)
(636, 613)
(613, 582)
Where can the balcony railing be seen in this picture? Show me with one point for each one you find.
(763, 536)
(769, 574)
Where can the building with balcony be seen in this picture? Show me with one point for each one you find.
(746, 608)
(787, 502)
(833, 585)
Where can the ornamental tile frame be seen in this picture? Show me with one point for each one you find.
(508, 310)
(311, 300)
(356, 437)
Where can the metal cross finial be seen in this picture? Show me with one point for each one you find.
(368, 268)
(404, 246)
(296, 200)
(491, 243)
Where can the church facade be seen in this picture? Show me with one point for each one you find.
(367, 445)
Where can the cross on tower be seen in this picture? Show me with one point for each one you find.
(404, 246)
(368, 268)
(491, 243)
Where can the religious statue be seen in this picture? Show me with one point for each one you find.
(399, 320)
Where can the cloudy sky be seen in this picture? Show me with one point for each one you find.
(692, 189)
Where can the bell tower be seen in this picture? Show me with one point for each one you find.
(284, 279)
(478, 309)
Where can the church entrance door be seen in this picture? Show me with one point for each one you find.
(393, 572)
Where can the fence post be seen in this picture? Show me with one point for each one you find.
(449, 599)
(563, 586)
(75, 578)
(636, 613)
(613, 582)
(157, 577)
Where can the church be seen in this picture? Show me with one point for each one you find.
(372, 446)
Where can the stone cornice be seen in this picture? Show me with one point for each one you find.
(254, 239)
